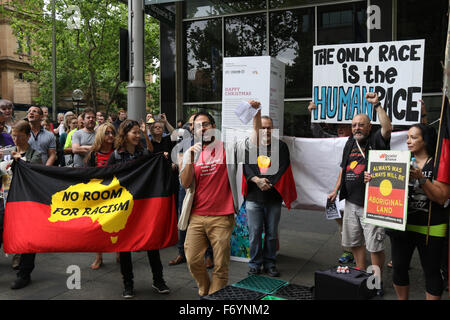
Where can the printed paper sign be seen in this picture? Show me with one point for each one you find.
(343, 74)
(387, 193)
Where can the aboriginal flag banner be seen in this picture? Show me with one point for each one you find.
(125, 207)
(443, 151)
(281, 179)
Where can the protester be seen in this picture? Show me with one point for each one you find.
(5, 138)
(128, 147)
(351, 185)
(3, 143)
(422, 190)
(160, 142)
(83, 139)
(45, 116)
(45, 123)
(7, 107)
(60, 118)
(98, 157)
(215, 202)
(21, 134)
(41, 140)
(263, 200)
(343, 130)
(76, 123)
(184, 144)
(121, 117)
(100, 118)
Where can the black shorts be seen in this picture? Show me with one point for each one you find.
(403, 245)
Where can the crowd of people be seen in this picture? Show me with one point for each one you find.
(92, 139)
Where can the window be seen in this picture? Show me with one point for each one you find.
(245, 36)
(203, 68)
(344, 23)
(291, 41)
(206, 8)
(213, 109)
(421, 20)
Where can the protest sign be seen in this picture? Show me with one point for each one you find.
(387, 193)
(343, 74)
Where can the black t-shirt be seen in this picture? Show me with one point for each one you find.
(354, 164)
(165, 145)
(354, 175)
(418, 203)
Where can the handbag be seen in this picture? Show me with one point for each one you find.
(188, 200)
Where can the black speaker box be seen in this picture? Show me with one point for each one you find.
(330, 285)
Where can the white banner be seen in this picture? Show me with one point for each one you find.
(316, 163)
(343, 74)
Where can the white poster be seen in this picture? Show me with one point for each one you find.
(251, 78)
(343, 74)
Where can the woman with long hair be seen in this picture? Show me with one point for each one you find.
(128, 147)
(424, 194)
(98, 157)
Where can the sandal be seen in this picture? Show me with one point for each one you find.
(96, 264)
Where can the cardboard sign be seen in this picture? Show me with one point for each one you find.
(343, 74)
(386, 199)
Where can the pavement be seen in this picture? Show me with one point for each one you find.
(308, 242)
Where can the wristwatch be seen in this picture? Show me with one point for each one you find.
(422, 181)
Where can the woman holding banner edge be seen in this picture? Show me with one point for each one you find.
(423, 193)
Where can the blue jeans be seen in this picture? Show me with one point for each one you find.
(263, 217)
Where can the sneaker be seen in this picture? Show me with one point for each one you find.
(347, 257)
(128, 293)
(272, 271)
(253, 271)
(20, 283)
(161, 287)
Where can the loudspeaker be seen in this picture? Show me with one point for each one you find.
(330, 285)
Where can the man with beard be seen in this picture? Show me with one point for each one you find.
(210, 164)
(356, 233)
(83, 139)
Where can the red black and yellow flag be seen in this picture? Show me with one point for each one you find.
(443, 151)
(283, 180)
(125, 207)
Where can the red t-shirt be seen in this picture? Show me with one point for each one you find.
(102, 158)
(213, 196)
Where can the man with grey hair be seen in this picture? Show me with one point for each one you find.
(350, 183)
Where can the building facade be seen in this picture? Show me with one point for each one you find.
(206, 31)
(14, 62)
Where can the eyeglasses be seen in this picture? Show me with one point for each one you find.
(205, 124)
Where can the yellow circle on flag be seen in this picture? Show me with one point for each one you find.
(353, 164)
(385, 187)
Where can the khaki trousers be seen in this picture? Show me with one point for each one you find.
(202, 231)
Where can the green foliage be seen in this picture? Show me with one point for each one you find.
(88, 57)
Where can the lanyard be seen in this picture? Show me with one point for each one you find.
(360, 150)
